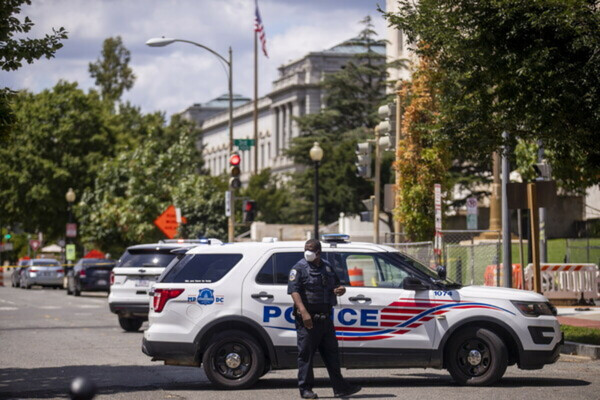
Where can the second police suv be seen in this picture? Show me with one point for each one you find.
(226, 308)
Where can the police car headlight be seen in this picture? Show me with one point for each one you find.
(534, 309)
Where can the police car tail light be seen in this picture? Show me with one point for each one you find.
(33, 270)
(112, 277)
(82, 273)
(60, 271)
(161, 296)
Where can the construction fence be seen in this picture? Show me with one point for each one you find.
(467, 254)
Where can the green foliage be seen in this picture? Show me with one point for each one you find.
(352, 96)
(111, 71)
(59, 140)
(14, 50)
(135, 187)
(526, 156)
(272, 197)
(527, 67)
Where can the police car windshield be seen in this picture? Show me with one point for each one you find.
(432, 275)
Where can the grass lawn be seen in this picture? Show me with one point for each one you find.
(581, 335)
(557, 250)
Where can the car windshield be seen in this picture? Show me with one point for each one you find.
(432, 275)
(146, 259)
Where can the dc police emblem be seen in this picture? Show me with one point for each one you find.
(206, 297)
(293, 273)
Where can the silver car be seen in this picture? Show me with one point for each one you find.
(43, 272)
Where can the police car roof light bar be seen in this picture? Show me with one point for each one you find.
(335, 238)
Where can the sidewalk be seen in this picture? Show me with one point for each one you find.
(585, 316)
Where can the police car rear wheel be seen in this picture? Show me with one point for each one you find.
(476, 357)
(233, 360)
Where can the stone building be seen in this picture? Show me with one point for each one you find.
(296, 92)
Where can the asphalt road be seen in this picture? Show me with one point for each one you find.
(48, 338)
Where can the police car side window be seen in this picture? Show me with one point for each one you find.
(283, 264)
(201, 268)
(371, 270)
(265, 275)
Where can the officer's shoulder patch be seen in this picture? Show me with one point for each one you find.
(328, 269)
(293, 274)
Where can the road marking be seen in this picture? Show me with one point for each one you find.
(86, 306)
(8, 308)
(49, 307)
(7, 301)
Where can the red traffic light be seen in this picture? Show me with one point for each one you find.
(235, 160)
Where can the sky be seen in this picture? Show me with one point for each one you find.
(174, 77)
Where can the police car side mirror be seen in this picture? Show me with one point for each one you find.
(441, 271)
(410, 283)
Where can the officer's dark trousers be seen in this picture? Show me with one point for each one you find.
(321, 337)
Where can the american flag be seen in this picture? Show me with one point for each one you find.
(260, 29)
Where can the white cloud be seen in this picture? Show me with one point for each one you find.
(172, 78)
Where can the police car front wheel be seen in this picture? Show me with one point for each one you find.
(233, 360)
(476, 357)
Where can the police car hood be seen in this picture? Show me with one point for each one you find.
(492, 292)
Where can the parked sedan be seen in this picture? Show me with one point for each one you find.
(15, 277)
(90, 274)
(42, 272)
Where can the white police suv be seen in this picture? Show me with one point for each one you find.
(226, 307)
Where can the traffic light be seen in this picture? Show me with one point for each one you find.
(363, 162)
(234, 171)
(387, 127)
(7, 236)
(249, 210)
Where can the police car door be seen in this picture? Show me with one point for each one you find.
(265, 298)
(380, 321)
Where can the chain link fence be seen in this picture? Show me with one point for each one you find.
(583, 251)
(472, 257)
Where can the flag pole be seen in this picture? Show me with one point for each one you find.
(255, 101)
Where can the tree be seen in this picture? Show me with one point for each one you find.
(272, 196)
(13, 51)
(421, 161)
(135, 187)
(58, 141)
(530, 68)
(111, 71)
(352, 96)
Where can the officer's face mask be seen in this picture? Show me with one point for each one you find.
(310, 255)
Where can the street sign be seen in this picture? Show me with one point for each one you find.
(472, 212)
(227, 203)
(71, 230)
(167, 222)
(389, 197)
(243, 144)
(70, 253)
(34, 244)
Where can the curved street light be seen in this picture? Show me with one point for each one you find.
(163, 41)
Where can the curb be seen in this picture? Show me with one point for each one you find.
(580, 349)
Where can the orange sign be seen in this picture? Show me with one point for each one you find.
(167, 222)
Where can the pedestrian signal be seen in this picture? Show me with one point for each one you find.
(249, 210)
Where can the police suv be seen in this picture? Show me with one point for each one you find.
(226, 307)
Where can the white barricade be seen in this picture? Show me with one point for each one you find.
(567, 281)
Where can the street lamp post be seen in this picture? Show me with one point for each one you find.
(316, 154)
(161, 42)
(70, 197)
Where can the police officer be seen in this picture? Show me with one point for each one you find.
(314, 285)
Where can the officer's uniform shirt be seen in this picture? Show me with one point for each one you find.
(315, 284)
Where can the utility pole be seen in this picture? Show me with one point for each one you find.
(377, 187)
(534, 222)
(506, 235)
